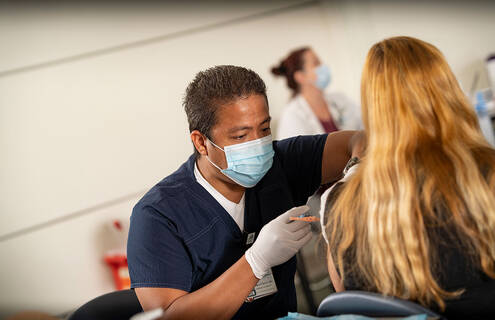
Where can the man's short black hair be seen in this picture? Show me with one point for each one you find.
(215, 87)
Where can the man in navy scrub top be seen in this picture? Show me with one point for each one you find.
(213, 240)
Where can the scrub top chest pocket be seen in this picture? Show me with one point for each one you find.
(213, 253)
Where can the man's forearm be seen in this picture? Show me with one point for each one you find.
(337, 151)
(357, 144)
(218, 300)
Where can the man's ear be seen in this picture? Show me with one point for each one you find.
(299, 77)
(199, 142)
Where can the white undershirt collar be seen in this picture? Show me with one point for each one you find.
(235, 210)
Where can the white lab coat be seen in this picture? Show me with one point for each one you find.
(298, 118)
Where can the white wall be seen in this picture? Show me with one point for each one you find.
(463, 30)
(80, 133)
(91, 113)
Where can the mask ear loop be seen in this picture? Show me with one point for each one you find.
(214, 144)
(208, 158)
(220, 169)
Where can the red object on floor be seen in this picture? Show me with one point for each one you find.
(120, 271)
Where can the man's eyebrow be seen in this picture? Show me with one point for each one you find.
(266, 120)
(235, 129)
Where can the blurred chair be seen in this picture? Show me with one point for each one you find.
(117, 305)
(370, 304)
(31, 315)
(305, 284)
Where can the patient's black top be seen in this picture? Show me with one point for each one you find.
(454, 269)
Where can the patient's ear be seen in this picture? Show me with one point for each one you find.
(334, 275)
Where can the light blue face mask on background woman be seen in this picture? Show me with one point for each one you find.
(247, 162)
(322, 76)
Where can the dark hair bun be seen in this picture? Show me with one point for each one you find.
(281, 70)
(288, 67)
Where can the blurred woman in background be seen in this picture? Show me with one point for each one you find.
(417, 218)
(311, 110)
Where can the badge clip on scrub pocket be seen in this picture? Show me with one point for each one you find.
(248, 238)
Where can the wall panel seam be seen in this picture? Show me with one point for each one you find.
(153, 40)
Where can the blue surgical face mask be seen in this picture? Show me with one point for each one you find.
(248, 162)
(322, 76)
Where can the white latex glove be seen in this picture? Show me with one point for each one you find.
(278, 241)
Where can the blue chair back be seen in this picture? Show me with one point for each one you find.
(370, 304)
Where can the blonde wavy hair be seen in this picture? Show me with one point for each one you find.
(427, 172)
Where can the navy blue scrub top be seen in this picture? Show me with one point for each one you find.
(181, 237)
